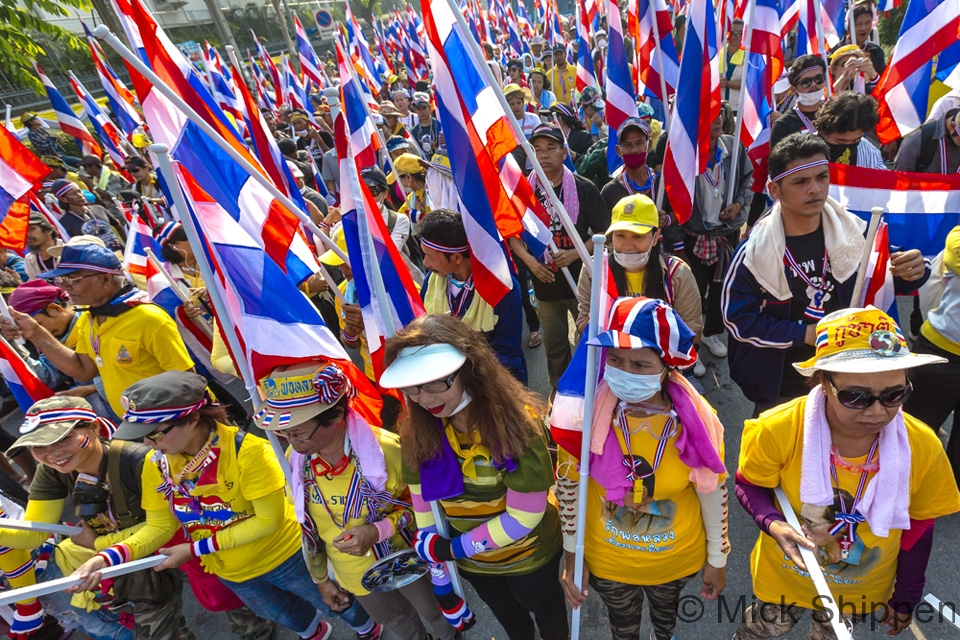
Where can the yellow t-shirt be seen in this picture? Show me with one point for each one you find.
(663, 538)
(771, 455)
(349, 569)
(225, 504)
(137, 344)
(635, 282)
(563, 84)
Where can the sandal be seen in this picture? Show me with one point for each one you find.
(535, 340)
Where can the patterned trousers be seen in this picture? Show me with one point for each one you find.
(625, 606)
(768, 620)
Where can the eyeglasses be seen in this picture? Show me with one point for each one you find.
(736, 33)
(321, 424)
(157, 436)
(807, 82)
(864, 399)
(70, 281)
(437, 386)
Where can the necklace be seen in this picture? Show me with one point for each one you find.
(849, 518)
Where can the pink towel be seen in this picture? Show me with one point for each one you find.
(886, 501)
(699, 442)
(365, 445)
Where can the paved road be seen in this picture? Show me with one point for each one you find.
(943, 574)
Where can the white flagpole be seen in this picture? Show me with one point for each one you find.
(593, 328)
(735, 155)
(133, 60)
(181, 292)
(193, 236)
(524, 143)
(42, 527)
(875, 214)
(61, 584)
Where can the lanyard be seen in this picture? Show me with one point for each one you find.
(171, 487)
(629, 461)
(814, 310)
(459, 303)
(805, 120)
(849, 518)
(943, 156)
(632, 187)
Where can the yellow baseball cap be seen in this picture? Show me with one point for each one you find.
(408, 163)
(845, 50)
(330, 258)
(861, 341)
(636, 213)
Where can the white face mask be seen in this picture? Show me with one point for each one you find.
(632, 261)
(464, 401)
(810, 99)
(632, 387)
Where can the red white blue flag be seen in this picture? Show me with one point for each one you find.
(70, 124)
(653, 58)
(108, 133)
(24, 384)
(621, 95)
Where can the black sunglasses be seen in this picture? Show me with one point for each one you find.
(806, 82)
(156, 436)
(863, 399)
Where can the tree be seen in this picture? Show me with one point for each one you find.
(22, 29)
(365, 9)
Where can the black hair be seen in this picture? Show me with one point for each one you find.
(847, 111)
(804, 63)
(136, 161)
(652, 278)
(444, 227)
(167, 252)
(863, 9)
(287, 147)
(796, 146)
(952, 113)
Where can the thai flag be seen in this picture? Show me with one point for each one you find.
(264, 99)
(648, 62)
(251, 206)
(697, 106)
(223, 88)
(948, 66)
(20, 170)
(106, 131)
(362, 130)
(621, 95)
(929, 27)
(363, 226)
(274, 323)
(139, 239)
(538, 11)
(308, 57)
(765, 35)
(369, 68)
(586, 76)
(271, 67)
(120, 99)
(757, 107)
(414, 30)
(523, 21)
(802, 14)
(296, 95)
(69, 122)
(26, 387)
(124, 12)
(513, 34)
(878, 284)
(888, 5)
(478, 137)
(920, 208)
(37, 205)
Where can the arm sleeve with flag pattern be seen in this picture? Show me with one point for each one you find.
(523, 512)
(426, 522)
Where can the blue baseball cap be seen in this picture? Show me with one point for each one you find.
(84, 257)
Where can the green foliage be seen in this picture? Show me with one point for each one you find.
(21, 31)
(889, 26)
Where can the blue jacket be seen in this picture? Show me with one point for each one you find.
(761, 331)
(507, 335)
(17, 264)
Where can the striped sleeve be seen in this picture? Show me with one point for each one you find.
(524, 511)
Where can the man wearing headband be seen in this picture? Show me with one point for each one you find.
(122, 337)
(350, 499)
(449, 290)
(41, 237)
(798, 264)
(79, 217)
(808, 80)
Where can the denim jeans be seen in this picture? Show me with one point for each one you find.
(288, 596)
(99, 624)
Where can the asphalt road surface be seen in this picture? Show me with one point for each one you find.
(704, 620)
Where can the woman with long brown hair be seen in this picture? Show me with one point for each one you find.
(472, 439)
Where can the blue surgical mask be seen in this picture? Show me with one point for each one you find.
(632, 387)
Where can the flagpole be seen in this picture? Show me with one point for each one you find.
(875, 215)
(524, 143)
(162, 153)
(590, 391)
(178, 289)
(735, 156)
(134, 61)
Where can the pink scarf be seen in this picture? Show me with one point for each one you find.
(570, 200)
(366, 447)
(699, 442)
(886, 500)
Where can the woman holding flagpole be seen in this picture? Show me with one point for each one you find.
(472, 440)
(656, 504)
(866, 479)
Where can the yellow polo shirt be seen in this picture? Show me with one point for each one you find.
(563, 83)
(137, 344)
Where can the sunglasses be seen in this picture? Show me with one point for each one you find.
(864, 399)
(806, 83)
(437, 386)
(157, 436)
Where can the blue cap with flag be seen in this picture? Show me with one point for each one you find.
(638, 323)
(84, 257)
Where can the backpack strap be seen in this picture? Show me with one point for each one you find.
(115, 480)
(391, 219)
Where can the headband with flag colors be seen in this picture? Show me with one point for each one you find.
(20, 172)
(586, 76)
(108, 133)
(903, 91)
(697, 106)
(120, 99)
(70, 124)
(647, 59)
(621, 95)
(249, 204)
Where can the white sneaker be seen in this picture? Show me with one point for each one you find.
(698, 369)
(715, 345)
